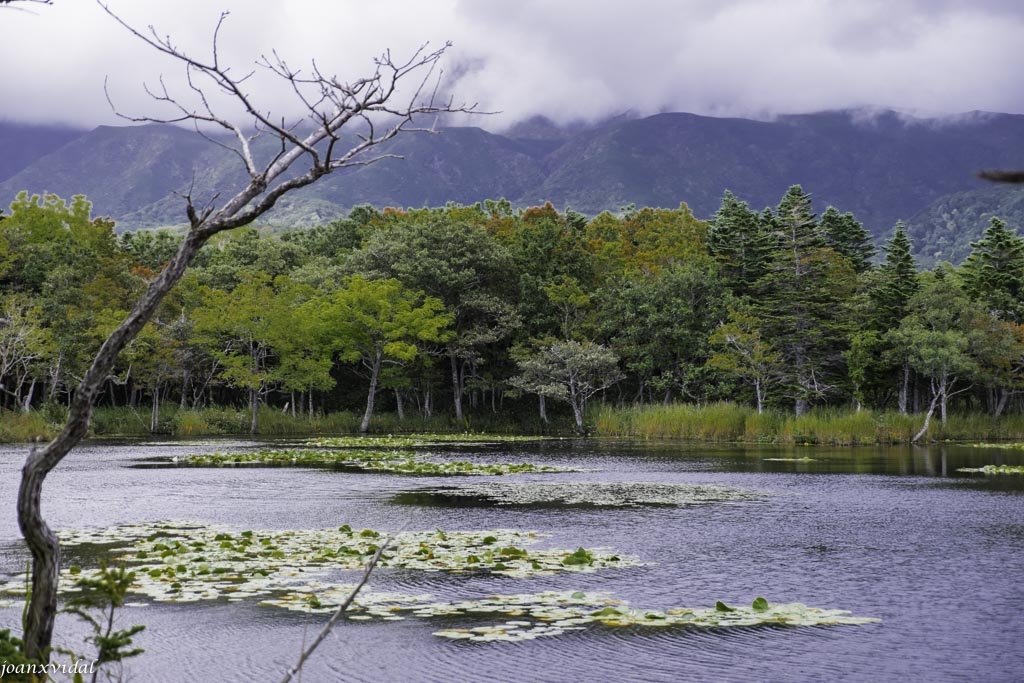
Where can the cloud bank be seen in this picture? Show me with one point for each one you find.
(570, 60)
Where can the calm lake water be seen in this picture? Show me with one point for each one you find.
(891, 533)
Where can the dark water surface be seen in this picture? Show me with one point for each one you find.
(891, 533)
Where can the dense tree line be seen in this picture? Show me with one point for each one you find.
(487, 308)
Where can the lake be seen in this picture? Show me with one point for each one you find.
(894, 533)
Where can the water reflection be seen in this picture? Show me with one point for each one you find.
(941, 460)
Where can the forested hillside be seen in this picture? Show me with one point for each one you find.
(476, 309)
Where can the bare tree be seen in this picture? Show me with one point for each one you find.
(376, 107)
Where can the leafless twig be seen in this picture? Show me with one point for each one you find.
(375, 104)
(338, 613)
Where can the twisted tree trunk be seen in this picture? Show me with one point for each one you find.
(42, 542)
(368, 103)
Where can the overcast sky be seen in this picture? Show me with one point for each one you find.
(569, 60)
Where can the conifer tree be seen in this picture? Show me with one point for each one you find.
(994, 272)
(899, 282)
(739, 241)
(801, 300)
(847, 236)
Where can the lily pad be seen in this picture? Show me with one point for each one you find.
(994, 469)
(186, 562)
(358, 460)
(419, 440)
(297, 570)
(553, 613)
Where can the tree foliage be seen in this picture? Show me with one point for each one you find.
(568, 371)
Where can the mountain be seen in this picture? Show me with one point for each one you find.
(879, 164)
(21, 144)
(944, 230)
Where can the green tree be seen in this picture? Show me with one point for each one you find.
(239, 327)
(659, 323)
(848, 238)
(555, 272)
(897, 284)
(802, 300)
(150, 249)
(993, 272)
(569, 371)
(378, 322)
(24, 345)
(246, 253)
(740, 242)
(456, 260)
(304, 348)
(741, 349)
(940, 337)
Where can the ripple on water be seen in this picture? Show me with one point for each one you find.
(888, 535)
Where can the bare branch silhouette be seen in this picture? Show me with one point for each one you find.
(305, 151)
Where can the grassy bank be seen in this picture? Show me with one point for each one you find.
(42, 425)
(717, 422)
(728, 422)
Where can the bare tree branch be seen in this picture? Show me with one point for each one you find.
(9, 4)
(342, 608)
(314, 142)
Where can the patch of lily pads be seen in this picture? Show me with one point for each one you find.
(580, 494)
(298, 570)
(378, 461)
(183, 562)
(554, 613)
(994, 469)
(419, 440)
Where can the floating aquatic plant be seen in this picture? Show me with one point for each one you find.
(553, 613)
(183, 562)
(390, 462)
(188, 562)
(588, 494)
(418, 440)
(994, 469)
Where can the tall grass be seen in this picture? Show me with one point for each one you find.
(222, 421)
(716, 422)
(831, 426)
(18, 427)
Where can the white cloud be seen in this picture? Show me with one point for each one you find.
(568, 60)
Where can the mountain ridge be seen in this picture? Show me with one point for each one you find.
(880, 164)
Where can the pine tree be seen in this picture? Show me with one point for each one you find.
(994, 272)
(795, 223)
(739, 242)
(899, 282)
(801, 300)
(846, 235)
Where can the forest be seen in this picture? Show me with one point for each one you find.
(534, 313)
